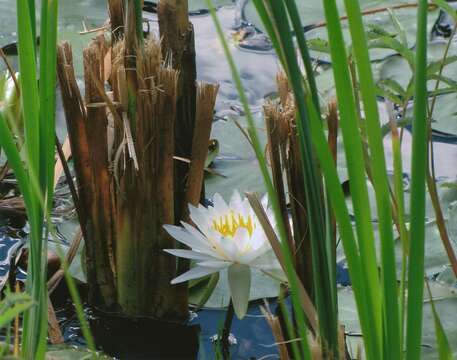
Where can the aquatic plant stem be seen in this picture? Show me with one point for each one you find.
(430, 174)
(225, 336)
(417, 205)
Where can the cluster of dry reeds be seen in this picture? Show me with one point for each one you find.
(287, 173)
(124, 137)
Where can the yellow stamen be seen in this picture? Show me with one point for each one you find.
(228, 224)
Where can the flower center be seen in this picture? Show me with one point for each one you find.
(228, 224)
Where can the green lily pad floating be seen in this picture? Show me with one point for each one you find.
(397, 68)
(445, 302)
(312, 12)
(445, 114)
(444, 122)
(236, 163)
(262, 286)
(68, 230)
(447, 278)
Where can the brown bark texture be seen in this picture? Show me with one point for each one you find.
(136, 116)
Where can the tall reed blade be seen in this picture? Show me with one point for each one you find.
(417, 204)
(379, 179)
(324, 293)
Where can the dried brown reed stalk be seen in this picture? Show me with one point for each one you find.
(177, 34)
(206, 98)
(285, 162)
(123, 143)
(275, 326)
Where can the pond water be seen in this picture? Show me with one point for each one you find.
(236, 161)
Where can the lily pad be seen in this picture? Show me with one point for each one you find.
(397, 68)
(445, 301)
(312, 13)
(236, 163)
(262, 286)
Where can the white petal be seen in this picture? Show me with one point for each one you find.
(194, 273)
(258, 238)
(189, 254)
(195, 233)
(239, 279)
(241, 238)
(215, 264)
(220, 206)
(236, 202)
(251, 257)
(199, 217)
(229, 247)
(186, 238)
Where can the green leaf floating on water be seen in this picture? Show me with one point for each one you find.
(236, 160)
(398, 69)
(262, 286)
(445, 300)
(312, 12)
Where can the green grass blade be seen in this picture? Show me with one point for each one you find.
(400, 202)
(48, 60)
(324, 296)
(379, 179)
(417, 204)
(301, 40)
(356, 166)
(266, 20)
(29, 85)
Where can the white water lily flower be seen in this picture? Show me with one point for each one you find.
(228, 237)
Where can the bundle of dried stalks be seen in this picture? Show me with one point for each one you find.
(285, 163)
(123, 143)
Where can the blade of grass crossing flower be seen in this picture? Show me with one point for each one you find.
(357, 179)
(314, 194)
(302, 331)
(417, 204)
